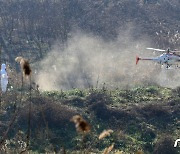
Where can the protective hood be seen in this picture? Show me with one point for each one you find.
(3, 66)
(4, 78)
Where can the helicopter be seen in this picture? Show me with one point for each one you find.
(168, 58)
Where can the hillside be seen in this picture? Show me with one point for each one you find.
(84, 78)
(30, 27)
(143, 119)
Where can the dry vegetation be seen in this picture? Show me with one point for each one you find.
(138, 120)
(102, 121)
(29, 28)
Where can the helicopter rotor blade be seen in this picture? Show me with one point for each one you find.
(161, 50)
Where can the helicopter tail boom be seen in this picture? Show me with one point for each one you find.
(138, 58)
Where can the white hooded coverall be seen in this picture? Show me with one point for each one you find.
(4, 78)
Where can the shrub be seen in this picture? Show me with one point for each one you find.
(165, 146)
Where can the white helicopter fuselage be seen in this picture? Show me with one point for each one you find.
(167, 58)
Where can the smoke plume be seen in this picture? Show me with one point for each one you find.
(89, 61)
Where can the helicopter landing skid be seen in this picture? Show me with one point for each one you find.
(170, 67)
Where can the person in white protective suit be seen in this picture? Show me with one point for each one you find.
(4, 78)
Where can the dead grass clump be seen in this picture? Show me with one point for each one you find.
(58, 115)
(105, 133)
(25, 66)
(158, 115)
(101, 111)
(55, 114)
(98, 97)
(165, 145)
(108, 149)
(81, 125)
(139, 152)
(106, 113)
(155, 111)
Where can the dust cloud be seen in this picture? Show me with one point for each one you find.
(89, 61)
